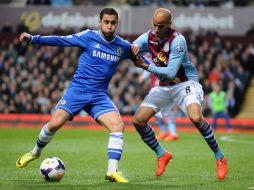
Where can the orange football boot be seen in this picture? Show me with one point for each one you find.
(162, 135)
(171, 137)
(162, 163)
(222, 168)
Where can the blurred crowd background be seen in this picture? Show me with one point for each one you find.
(33, 78)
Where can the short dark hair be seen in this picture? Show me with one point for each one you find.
(108, 11)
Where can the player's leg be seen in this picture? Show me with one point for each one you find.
(190, 97)
(194, 112)
(68, 106)
(171, 127)
(140, 121)
(57, 120)
(112, 121)
(105, 113)
(164, 132)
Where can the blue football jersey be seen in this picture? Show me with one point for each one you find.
(98, 60)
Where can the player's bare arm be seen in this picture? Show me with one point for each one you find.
(24, 37)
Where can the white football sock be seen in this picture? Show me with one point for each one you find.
(115, 147)
(44, 138)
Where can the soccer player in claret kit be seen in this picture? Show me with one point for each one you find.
(170, 62)
(101, 52)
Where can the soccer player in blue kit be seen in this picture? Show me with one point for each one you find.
(101, 53)
(170, 61)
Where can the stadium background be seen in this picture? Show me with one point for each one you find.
(32, 79)
(220, 36)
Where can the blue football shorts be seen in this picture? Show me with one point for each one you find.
(95, 104)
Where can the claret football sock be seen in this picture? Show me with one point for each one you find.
(147, 135)
(208, 135)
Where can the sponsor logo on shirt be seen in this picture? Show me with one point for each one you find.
(105, 56)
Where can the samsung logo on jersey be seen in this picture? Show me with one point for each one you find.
(105, 56)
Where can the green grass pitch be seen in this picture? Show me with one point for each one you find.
(84, 153)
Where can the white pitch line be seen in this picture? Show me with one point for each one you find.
(231, 139)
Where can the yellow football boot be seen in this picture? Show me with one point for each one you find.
(25, 159)
(116, 177)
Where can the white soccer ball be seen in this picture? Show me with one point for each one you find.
(52, 169)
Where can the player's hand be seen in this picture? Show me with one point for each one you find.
(25, 37)
(139, 62)
(135, 49)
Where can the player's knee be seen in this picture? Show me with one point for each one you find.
(135, 121)
(196, 119)
(138, 122)
(120, 127)
(117, 127)
(55, 124)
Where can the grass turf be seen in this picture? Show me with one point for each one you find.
(84, 153)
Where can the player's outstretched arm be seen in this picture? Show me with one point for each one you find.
(25, 37)
(78, 39)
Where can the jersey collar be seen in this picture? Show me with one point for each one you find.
(102, 36)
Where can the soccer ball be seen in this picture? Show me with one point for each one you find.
(52, 169)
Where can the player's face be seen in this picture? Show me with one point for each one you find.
(108, 25)
(161, 26)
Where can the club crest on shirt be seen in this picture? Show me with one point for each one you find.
(119, 51)
(162, 57)
(166, 47)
